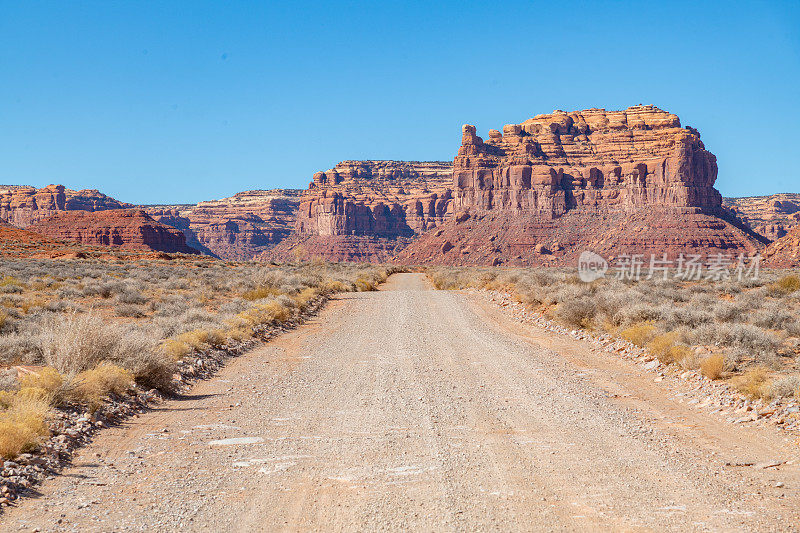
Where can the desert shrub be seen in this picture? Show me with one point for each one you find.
(784, 386)
(753, 383)
(48, 379)
(105, 289)
(171, 307)
(729, 311)
(266, 313)
(640, 334)
(175, 349)
(638, 313)
(130, 296)
(260, 293)
(91, 387)
(20, 348)
(75, 343)
(23, 425)
(138, 351)
(665, 347)
(786, 285)
(712, 366)
(774, 316)
(747, 336)
(8, 380)
(130, 311)
(68, 293)
(233, 307)
(577, 313)
(684, 316)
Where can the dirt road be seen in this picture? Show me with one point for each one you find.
(415, 409)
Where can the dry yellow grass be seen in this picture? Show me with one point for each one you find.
(197, 339)
(93, 386)
(261, 292)
(364, 285)
(23, 425)
(330, 287)
(712, 366)
(176, 349)
(662, 346)
(267, 313)
(785, 285)
(48, 378)
(640, 334)
(305, 297)
(753, 382)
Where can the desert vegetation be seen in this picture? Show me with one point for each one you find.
(76, 332)
(745, 332)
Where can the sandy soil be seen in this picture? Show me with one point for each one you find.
(415, 409)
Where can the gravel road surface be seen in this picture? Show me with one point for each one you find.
(423, 410)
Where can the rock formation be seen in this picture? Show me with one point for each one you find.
(616, 182)
(771, 216)
(124, 228)
(785, 252)
(22, 206)
(367, 210)
(239, 227)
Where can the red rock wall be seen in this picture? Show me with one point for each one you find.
(124, 228)
(23, 206)
(553, 163)
(240, 227)
(772, 216)
(379, 198)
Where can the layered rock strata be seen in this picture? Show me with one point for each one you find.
(785, 252)
(124, 228)
(239, 227)
(367, 210)
(771, 216)
(631, 181)
(22, 206)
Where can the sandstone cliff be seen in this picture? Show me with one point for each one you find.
(771, 216)
(785, 252)
(22, 206)
(239, 227)
(368, 210)
(124, 228)
(542, 191)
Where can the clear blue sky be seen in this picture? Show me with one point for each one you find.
(158, 102)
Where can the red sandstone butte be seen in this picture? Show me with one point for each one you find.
(124, 228)
(613, 182)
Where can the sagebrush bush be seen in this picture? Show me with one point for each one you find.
(75, 343)
(577, 313)
(130, 310)
(784, 387)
